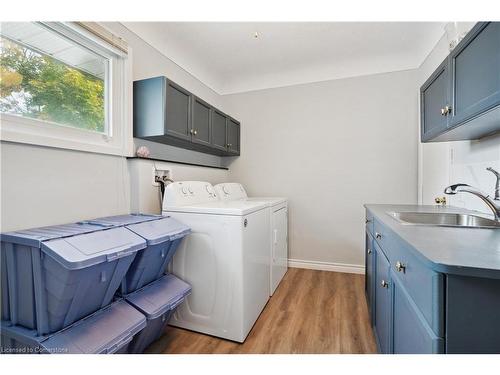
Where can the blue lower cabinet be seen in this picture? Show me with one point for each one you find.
(473, 315)
(411, 333)
(383, 304)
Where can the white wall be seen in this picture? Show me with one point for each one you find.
(45, 186)
(330, 147)
(445, 163)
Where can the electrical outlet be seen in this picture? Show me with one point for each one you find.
(160, 174)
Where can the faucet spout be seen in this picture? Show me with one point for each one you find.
(497, 184)
(464, 188)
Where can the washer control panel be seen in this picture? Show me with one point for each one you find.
(230, 191)
(185, 193)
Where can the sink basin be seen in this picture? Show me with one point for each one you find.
(444, 219)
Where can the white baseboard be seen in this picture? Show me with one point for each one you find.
(326, 266)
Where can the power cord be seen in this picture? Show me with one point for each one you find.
(162, 181)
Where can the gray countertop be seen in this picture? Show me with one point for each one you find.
(464, 251)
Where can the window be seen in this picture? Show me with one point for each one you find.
(62, 86)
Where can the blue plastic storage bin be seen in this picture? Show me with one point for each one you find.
(21, 241)
(109, 330)
(58, 275)
(163, 236)
(157, 302)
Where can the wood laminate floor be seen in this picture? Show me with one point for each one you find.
(310, 312)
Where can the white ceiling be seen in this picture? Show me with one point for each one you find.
(227, 57)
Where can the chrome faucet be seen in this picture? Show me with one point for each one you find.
(491, 203)
(497, 185)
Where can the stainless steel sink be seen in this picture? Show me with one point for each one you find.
(444, 219)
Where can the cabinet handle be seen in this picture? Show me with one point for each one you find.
(400, 267)
(369, 251)
(378, 235)
(446, 110)
(229, 145)
(191, 131)
(195, 132)
(384, 284)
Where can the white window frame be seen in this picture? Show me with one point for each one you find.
(117, 139)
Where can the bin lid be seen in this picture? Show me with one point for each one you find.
(158, 231)
(104, 331)
(35, 236)
(121, 220)
(93, 248)
(160, 296)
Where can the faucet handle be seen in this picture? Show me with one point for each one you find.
(452, 189)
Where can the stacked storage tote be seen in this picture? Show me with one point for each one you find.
(58, 283)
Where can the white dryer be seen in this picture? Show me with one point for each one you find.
(278, 221)
(225, 259)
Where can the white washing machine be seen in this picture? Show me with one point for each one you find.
(278, 221)
(225, 259)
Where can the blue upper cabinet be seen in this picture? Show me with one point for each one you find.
(177, 111)
(435, 96)
(165, 112)
(461, 99)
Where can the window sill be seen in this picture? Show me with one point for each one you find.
(23, 130)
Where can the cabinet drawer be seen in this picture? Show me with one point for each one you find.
(424, 285)
(369, 222)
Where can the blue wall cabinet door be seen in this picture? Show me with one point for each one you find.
(475, 73)
(219, 130)
(383, 302)
(233, 136)
(411, 333)
(435, 103)
(369, 274)
(178, 111)
(201, 123)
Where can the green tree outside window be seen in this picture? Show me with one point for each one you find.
(39, 86)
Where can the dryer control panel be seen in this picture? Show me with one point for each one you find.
(230, 191)
(186, 193)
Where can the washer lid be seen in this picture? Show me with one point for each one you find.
(271, 201)
(233, 208)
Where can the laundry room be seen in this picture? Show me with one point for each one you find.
(217, 182)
